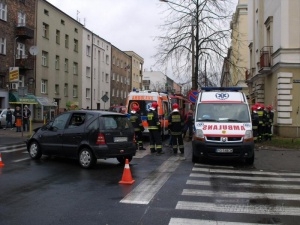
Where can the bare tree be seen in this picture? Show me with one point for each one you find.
(196, 35)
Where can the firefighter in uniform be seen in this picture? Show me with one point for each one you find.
(175, 126)
(255, 122)
(154, 130)
(136, 121)
(269, 122)
(260, 112)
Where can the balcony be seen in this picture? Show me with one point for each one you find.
(24, 31)
(146, 82)
(266, 61)
(24, 62)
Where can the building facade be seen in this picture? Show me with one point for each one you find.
(136, 70)
(17, 23)
(121, 76)
(274, 61)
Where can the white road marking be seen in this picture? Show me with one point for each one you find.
(19, 160)
(239, 208)
(243, 184)
(146, 190)
(186, 221)
(236, 194)
(256, 178)
(244, 172)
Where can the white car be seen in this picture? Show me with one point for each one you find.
(3, 117)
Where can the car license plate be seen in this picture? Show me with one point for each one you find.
(120, 139)
(224, 150)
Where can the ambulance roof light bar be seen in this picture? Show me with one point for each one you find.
(221, 88)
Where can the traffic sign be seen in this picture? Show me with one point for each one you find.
(193, 95)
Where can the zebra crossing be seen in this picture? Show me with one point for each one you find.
(235, 195)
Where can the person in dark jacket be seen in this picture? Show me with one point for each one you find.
(18, 118)
(175, 126)
(188, 124)
(136, 121)
(26, 118)
(154, 130)
(9, 115)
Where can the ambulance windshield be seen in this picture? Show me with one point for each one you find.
(221, 112)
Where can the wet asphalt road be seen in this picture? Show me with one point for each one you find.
(167, 190)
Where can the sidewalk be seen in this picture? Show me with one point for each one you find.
(11, 137)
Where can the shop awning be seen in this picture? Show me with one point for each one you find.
(14, 98)
(45, 101)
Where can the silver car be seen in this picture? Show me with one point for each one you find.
(3, 117)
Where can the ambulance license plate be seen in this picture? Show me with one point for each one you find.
(120, 139)
(224, 150)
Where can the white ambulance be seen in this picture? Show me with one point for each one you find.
(223, 127)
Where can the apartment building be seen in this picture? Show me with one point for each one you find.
(101, 73)
(121, 76)
(234, 73)
(274, 61)
(17, 23)
(155, 81)
(137, 63)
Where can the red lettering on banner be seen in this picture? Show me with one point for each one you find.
(223, 127)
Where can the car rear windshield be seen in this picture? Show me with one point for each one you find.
(116, 122)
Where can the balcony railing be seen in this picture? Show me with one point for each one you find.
(24, 31)
(266, 61)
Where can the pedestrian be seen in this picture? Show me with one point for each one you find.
(136, 121)
(175, 126)
(9, 115)
(154, 130)
(188, 124)
(18, 118)
(26, 118)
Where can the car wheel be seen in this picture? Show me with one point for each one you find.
(86, 158)
(123, 159)
(35, 151)
(250, 161)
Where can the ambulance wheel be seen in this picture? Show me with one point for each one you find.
(250, 161)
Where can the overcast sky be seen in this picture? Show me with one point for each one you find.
(130, 25)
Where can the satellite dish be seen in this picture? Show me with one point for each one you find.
(33, 50)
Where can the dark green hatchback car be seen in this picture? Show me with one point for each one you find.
(85, 135)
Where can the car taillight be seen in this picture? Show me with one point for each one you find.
(100, 139)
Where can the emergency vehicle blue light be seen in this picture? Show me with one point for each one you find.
(221, 88)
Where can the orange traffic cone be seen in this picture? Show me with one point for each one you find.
(1, 163)
(126, 178)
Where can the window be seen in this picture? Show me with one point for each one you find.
(46, 12)
(113, 92)
(57, 62)
(113, 76)
(45, 30)
(57, 37)
(106, 77)
(44, 86)
(107, 59)
(62, 22)
(66, 65)
(88, 50)
(66, 90)
(75, 89)
(56, 91)
(88, 71)
(67, 41)
(87, 93)
(75, 68)
(3, 46)
(20, 51)
(21, 19)
(76, 30)
(88, 37)
(3, 11)
(75, 45)
(44, 58)
(114, 60)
